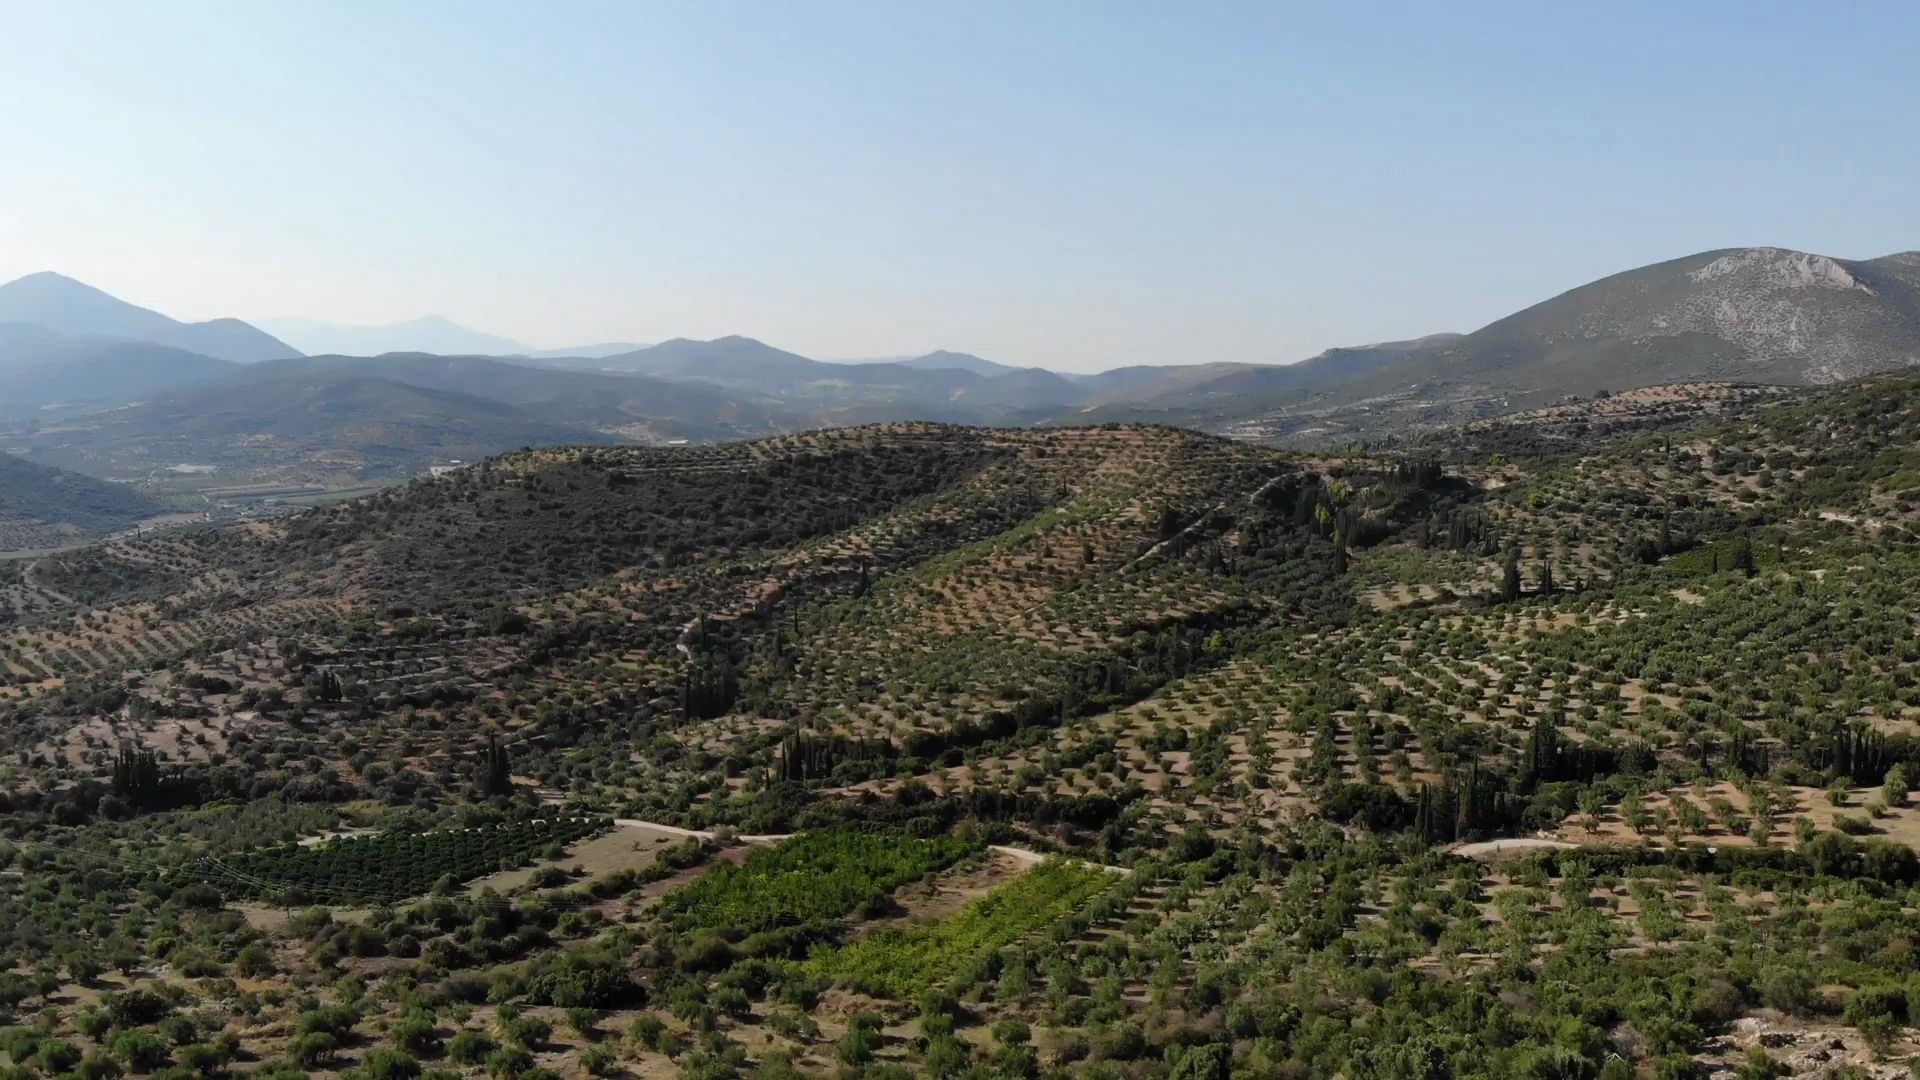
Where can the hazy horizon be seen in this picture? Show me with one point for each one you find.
(1079, 187)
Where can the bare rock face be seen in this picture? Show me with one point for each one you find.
(1796, 306)
(1777, 267)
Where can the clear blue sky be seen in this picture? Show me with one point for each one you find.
(1063, 183)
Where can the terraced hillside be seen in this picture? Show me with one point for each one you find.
(1575, 744)
(900, 584)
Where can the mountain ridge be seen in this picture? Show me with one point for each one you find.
(73, 307)
(430, 333)
(947, 360)
(425, 333)
(1762, 314)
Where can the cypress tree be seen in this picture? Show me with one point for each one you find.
(136, 775)
(1743, 557)
(498, 776)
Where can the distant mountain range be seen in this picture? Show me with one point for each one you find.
(426, 334)
(69, 307)
(941, 359)
(616, 405)
(588, 352)
(1751, 314)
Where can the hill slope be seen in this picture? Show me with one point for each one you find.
(846, 393)
(1746, 314)
(288, 427)
(1573, 744)
(943, 360)
(636, 406)
(732, 360)
(1758, 314)
(351, 420)
(47, 507)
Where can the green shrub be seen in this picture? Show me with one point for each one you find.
(469, 1047)
(386, 1063)
(314, 1049)
(54, 1056)
(599, 1061)
(509, 1061)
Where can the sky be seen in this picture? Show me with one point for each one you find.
(1073, 184)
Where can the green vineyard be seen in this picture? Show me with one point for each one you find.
(813, 877)
(902, 961)
(384, 868)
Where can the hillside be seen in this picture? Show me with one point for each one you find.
(1614, 697)
(42, 507)
(291, 428)
(1768, 314)
(336, 420)
(723, 360)
(841, 393)
(945, 360)
(1765, 315)
(1567, 709)
(634, 406)
(72, 307)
